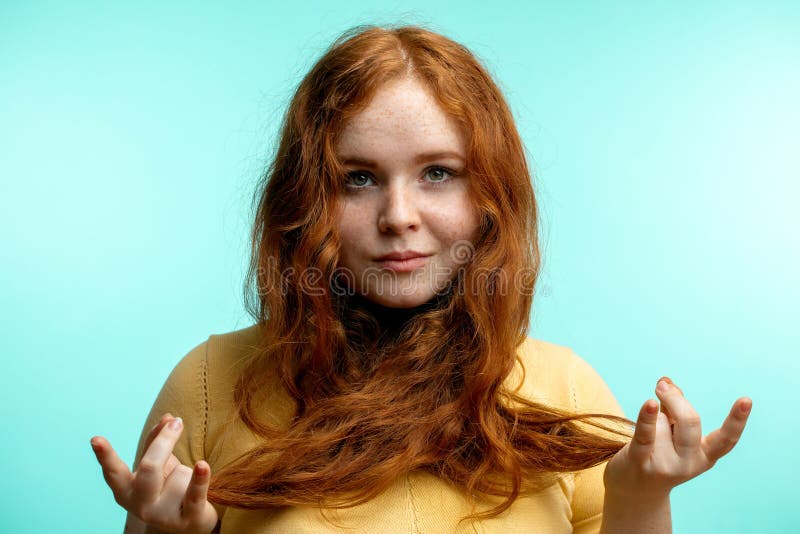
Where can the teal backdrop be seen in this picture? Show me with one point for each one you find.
(664, 140)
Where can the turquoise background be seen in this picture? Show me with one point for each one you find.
(664, 137)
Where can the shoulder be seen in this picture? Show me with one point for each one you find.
(556, 375)
(542, 372)
(201, 385)
(236, 342)
(242, 338)
(227, 357)
(228, 352)
(218, 354)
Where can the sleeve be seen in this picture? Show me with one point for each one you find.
(590, 394)
(183, 395)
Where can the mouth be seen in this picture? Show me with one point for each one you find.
(403, 261)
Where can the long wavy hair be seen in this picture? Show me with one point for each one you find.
(370, 407)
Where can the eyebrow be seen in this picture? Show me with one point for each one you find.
(420, 158)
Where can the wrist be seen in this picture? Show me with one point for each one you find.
(636, 494)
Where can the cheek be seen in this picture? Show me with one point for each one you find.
(457, 220)
(353, 231)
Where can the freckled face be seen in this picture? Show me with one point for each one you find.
(405, 191)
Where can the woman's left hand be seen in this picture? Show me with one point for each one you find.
(668, 447)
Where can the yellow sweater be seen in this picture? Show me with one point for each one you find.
(200, 388)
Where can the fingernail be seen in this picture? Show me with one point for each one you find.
(662, 385)
(94, 444)
(200, 469)
(176, 423)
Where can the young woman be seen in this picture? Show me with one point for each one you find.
(388, 384)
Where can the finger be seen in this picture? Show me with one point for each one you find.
(173, 462)
(166, 418)
(194, 501)
(665, 409)
(687, 429)
(644, 434)
(720, 442)
(149, 477)
(664, 448)
(115, 471)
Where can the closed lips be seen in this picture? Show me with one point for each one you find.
(400, 256)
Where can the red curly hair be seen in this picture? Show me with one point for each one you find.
(371, 407)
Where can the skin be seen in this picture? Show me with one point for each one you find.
(667, 449)
(396, 204)
(162, 495)
(394, 201)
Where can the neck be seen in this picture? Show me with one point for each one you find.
(391, 319)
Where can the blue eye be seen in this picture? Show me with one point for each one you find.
(357, 179)
(433, 176)
(439, 174)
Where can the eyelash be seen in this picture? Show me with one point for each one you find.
(451, 174)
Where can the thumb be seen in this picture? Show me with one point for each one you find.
(644, 435)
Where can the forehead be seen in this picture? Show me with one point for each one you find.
(402, 115)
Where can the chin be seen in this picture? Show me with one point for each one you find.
(399, 301)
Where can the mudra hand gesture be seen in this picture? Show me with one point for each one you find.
(668, 447)
(162, 492)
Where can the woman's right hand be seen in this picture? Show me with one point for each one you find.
(162, 492)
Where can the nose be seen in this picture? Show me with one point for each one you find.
(399, 210)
